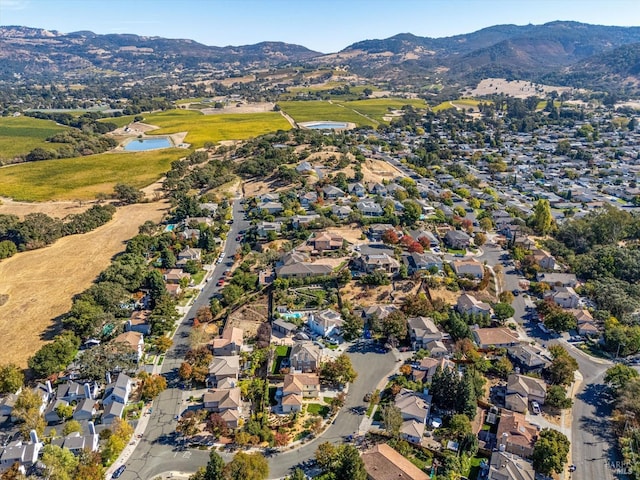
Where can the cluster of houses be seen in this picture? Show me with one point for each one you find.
(95, 407)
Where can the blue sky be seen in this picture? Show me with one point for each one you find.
(322, 25)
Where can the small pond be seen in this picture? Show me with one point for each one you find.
(143, 144)
(325, 125)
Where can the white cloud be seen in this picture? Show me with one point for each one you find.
(13, 5)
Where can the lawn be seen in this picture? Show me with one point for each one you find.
(317, 409)
(214, 128)
(282, 352)
(81, 178)
(319, 110)
(20, 135)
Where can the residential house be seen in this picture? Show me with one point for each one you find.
(325, 323)
(282, 326)
(422, 330)
(135, 340)
(174, 276)
(413, 405)
(427, 368)
(502, 337)
(303, 270)
(117, 391)
(77, 443)
(221, 368)
(188, 234)
(527, 358)
(304, 168)
(263, 229)
(273, 208)
(507, 466)
(111, 412)
(298, 221)
(516, 435)
(566, 297)
(372, 262)
(72, 391)
(7, 403)
(229, 343)
(378, 311)
(544, 259)
(225, 402)
(377, 188)
(437, 349)
(377, 230)
(333, 193)
(384, 463)
(457, 239)
(370, 208)
(419, 235)
(521, 390)
(468, 267)
(85, 410)
(174, 289)
(357, 189)
(420, 262)
(210, 207)
(24, 454)
(412, 431)
(558, 279)
(190, 254)
(307, 199)
(586, 324)
(291, 403)
(341, 211)
(326, 241)
(51, 415)
(469, 304)
(305, 356)
(139, 322)
(307, 385)
(268, 197)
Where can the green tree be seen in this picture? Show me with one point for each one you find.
(247, 466)
(64, 411)
(215, 467)
(542, 220)
(7, 249)
(560, 321)
(298, 474)
(55, 356)
(503, 311)
(352, 326)
(550, 452)
(394, 325)
(411, 214)
(562, 367)
(459, 426)
(127, 194)
(11, 378)
(557, 397)
(164, 315)
(95, 362)
(350, 465)
(60, 463)
(392, 420)
(27, 411)
(619, 376)
(326, 455)
(70, 427)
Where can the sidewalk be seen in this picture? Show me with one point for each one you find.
(133, 443)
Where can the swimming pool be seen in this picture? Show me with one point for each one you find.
(144, 144)
(296, 315)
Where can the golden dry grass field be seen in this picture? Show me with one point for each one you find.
(41, 283)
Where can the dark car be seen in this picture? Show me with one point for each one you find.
(119, 471)
(516, 292)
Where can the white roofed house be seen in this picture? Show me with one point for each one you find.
(566, 297)
(305, 356)
(372, 262)
(297, 387)
(134, 340)
(119, 390)
(222, 368)
(414, 409)
(333, 193)
(325, 322)
(369, 208)
(468, 267)
(225, 402)
(419, 262)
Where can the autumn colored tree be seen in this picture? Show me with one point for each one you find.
(152, 385)
(390, 237)
(186, 371)
(415, 247)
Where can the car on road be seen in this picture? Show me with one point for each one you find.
(220, 282)
(119, 471)
(535, 408)
(543, 328)
(516, 292)
(367, 397)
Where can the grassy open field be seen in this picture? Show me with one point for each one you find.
(465, 103)
(214, 128)
(119, 121)
(41, 283)
(320, 110)
(377, 108)
(20, 135)
(81, 178)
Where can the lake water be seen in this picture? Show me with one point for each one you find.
(325, 125)
(142, 144)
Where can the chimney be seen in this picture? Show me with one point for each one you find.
(49, 387)
(92, 428)
(87, 391)
(34, 436)
(108, 377)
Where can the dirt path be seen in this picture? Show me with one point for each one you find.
(41, 283)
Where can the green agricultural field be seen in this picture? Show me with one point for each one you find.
(20, 135)
(319, 110)
(460, 103)
(377, 108)
(214, 128)
(81, 178)
(119, 121)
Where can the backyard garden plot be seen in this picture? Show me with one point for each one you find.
(215, 128)
(20, 135)
(306, 298)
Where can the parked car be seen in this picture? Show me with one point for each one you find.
(535, 408)
(119, 471)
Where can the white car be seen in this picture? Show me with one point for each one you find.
(535, 408)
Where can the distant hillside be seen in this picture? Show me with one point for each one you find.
(39, 53)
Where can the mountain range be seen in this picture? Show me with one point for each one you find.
(569, 53)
